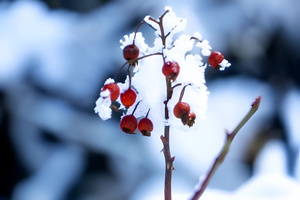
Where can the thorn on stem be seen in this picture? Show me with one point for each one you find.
(173, 158)
(227, 132)
(163, 139)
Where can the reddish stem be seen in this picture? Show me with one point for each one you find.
(229, 138)
(182, 92)
(166, 149)
(143, 22)
(133, 61)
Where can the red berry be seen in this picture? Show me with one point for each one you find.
(181, 108)
(171, 70)
(128, 97)
(131, 52)
(192, 116)
(114, 90)
(145, 126)
(215, 58)
(128, 124)
(191, 120)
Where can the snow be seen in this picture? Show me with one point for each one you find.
(103, 106)
(139, 41)
(270, 180)
(224, 64)
(56, 176)
(150, 83)
(290, 114)
(51, 48)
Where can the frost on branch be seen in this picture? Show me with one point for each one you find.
(148, 80)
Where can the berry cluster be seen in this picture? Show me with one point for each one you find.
(176, 65)
(156, 77)
(129, 122)
(127, 97)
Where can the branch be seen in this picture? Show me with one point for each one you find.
(229, 138)
(166, 147)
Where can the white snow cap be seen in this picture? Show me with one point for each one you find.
(103, 102)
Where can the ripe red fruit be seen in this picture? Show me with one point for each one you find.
(128, 124)
(114, 90)
(131, 52)
(192, 116)
(171, 70)
(128, 97)
(145, 126)
(191, 120)
(181, 108)
(215, 58)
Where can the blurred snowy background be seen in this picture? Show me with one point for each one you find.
(56, 54)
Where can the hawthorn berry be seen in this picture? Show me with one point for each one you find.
(215, 58)
(128, 124)
(171, 70)
(191, 121)
(131, 52)
(145, 126)
(181, 108)
(128, 97)
(113, 89)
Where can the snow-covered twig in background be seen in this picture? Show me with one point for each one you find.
(219, 160)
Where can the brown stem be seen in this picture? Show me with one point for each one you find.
(133, 61)
(166, 147)
(229, 138)
(178, 84)
(168, 164)
(135, 107)
(143, 22)
(182, 92)
(153, 54)
(161, 27)
(166, 138)
(147, 113)
(194, 38)
(117, 74)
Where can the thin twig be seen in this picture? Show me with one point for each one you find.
(133, 61)
(143, 22)
(229, 138)
(182, 92)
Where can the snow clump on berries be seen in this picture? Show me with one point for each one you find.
(103, 102)
(148, 81)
